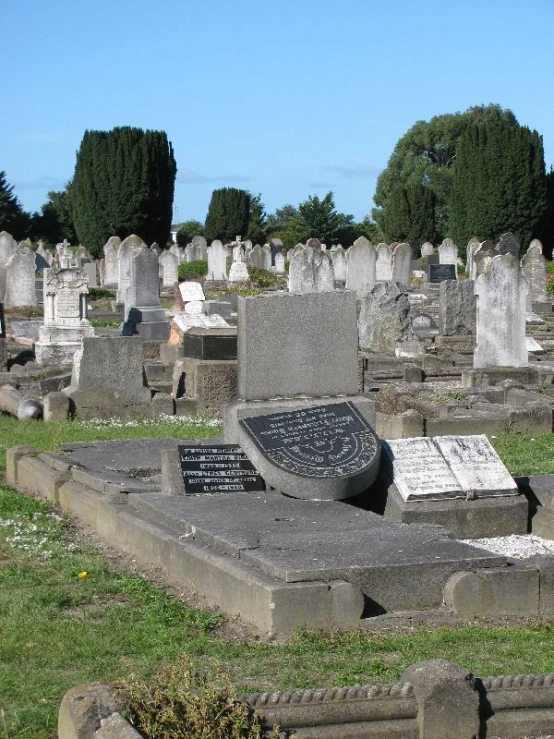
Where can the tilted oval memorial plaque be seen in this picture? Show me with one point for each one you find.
(324, 441)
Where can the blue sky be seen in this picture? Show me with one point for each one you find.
(287, 99)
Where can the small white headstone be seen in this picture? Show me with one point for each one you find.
(191, 291)
(194, 307)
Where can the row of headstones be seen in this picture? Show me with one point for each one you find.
(359, 268)
(19, 265)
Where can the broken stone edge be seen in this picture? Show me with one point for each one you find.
(507, 706)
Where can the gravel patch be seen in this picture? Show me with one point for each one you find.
(518, 547)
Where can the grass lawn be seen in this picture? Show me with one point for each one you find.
(72, 612)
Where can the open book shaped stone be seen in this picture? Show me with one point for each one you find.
(446, 467)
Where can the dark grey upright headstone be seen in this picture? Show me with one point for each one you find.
(508, 244)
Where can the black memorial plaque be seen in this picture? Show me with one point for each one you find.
(441, 272)
(2, 322)
(218, 468)
(331, 440)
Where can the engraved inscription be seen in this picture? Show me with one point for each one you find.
(331, 440)
(419, 470)
(221, 468)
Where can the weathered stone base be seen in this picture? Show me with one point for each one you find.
(147, 323)
(466, 519)
(540, 376)
(58, 354)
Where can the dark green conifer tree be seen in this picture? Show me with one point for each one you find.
(228, 214)
(499, 183)
(123, 183)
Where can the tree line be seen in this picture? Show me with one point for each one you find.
(478, 173)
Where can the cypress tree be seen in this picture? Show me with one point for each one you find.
(228, 214)
(397, 217)
(421, 201)
(123, 183)
(499, 183)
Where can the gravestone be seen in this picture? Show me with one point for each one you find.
(327, 452)
(440, 272)
(310, 271)
(65, 316)
(257, 257)
(20, 279)
(448, 254)
(3, 342)
(402, 264)
(238, 272)
(501, 299)
(275, 246)
(533, 266)
(267, 257)
(383, 265)
(458, 482)
(338, 259)
(472, 247)
(129, 246)
(508, 244)
(111, 262)
(217, 262)
(108, 378)
(41, 258)
(145, 317)
(280, 263)
(313, 243)
(457, 308)
(482, 257)
(361, 261)
(90, 269)
(427, 250)
(199, 249)
(191, 291)
(384, 319)
(209, 469)
(8, 246)
(169, 265)
(424, 327)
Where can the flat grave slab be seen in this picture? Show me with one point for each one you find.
(297, 540)
(322, 452)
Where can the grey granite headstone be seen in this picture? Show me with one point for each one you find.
(338, 258)
(125, 254)
(427, 249)
(448, 253)
(482, 257)
(291, 344)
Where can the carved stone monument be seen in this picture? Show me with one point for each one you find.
(65, 316)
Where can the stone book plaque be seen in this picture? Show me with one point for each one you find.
(319, 442)
(220, 468)
(419, 470)
(446, 467)
(476, 465)
(441, 272)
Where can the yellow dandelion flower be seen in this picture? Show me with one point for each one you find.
(82, 575)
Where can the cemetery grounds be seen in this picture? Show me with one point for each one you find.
(74, 611)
